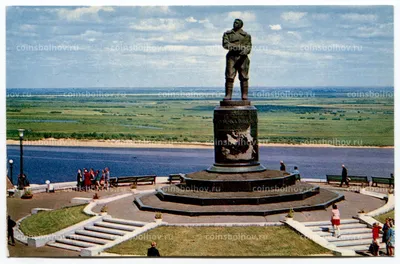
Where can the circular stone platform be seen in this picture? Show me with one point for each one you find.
(180, 193)
(238, 182)
(251, 193)
(316, 202)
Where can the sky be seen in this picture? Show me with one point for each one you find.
(180, 46)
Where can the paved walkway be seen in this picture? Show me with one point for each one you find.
(125, 209)
(18, 208)
(352, 204)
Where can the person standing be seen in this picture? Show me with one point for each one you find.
(153, 251)
(107, 177)
(344, 176)
(10, 231)
(375, 236)
(79, 180)
(390, 238)
(22, 181)
(385, 229)
(97, 179)
(92, 175)
(87, 180)
(283, 167)
(335, 220)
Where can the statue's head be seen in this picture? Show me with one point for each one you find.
(237, 24)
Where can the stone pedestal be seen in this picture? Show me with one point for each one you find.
(235, 138)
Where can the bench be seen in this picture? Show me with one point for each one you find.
(353, 178)
(174, 177)
(382, 180)
(137, 179)
(113, 181)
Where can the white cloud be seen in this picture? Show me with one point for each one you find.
(359, 17)
(181, 36)
(91, 33)
(294, 33)
(153, 10)
(275, 27)
(345, 26)
(245, 16)
(320, 16)
(158, 24)
(378, 30)
(293, 16)
(78, 13)
(308, 56)
(27, 27)
(206, 23)
(272, 39)
(191, 20)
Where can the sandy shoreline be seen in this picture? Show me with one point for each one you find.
(154, 144)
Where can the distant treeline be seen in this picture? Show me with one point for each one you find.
(31, 135)
(271, 108)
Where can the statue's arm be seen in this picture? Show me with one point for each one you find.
(226, 43)
(247, 46)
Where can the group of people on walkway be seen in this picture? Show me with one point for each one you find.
(388, 236)
(93, 179)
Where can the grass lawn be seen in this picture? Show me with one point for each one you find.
(47, 222)
(381, 218)
(221, 241)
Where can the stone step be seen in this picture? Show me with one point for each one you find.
(88, 239)
(76, 243)
(382, 252)
(105, 230)
(115, 226)
(96, 234)
(350, 237)
(327, 223)
(348, 243)
(64, 246)
(342, 227)
(124, 222)
(382, 246)
(346, 232)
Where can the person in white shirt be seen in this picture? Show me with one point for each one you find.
(335, 220)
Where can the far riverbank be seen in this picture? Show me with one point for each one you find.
(158, 144)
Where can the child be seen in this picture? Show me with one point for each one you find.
(375, 236)
(335, 220)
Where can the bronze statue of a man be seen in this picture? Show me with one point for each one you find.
(238, 42)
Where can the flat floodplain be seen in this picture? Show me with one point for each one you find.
(353, 116)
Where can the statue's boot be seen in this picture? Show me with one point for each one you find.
(228, 89)
(244, 88)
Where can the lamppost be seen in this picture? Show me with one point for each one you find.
(21, 152)
(11, 163)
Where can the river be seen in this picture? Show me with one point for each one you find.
(59, 164)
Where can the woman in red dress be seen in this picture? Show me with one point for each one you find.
(376, 228)
(87, 180)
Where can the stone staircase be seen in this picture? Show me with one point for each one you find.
(98, 233)
(353, 235)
